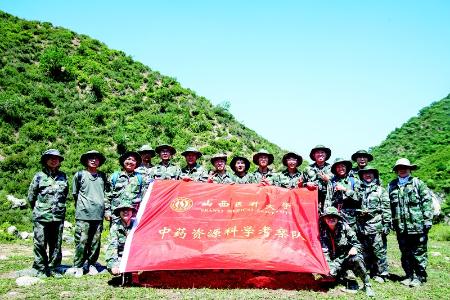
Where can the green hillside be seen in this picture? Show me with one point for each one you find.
(59, 89)
(425, 141)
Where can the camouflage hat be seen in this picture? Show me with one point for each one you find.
(362, 153)
(331, 211)
(123, 205)
(163, 146)
(293, 155)
(219, 156)
(127, 154)
(262, 152)
(192, 150)
(92, 153)
(320, 147)
(404, 162)
(51, 152)
(147, 149)
(235, 159)
(347, 163)
(369, 169)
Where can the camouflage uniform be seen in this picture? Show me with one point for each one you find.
(247, 178)
(288, 180)
(270, 176)
(337, 244)
(225, 178)
(311, 174)
(412, 216)
(116, 243)
(196, 173)
(373, 223)
(165, 172)
(124, 186)
(47, 196)
(89, 194)
(346, 202)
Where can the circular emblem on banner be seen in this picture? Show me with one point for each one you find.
(181, 204)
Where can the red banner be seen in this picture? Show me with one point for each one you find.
(191, 225)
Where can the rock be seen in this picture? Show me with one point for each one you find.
(16, 202)
(12, 230)
(435, 253)
(3, 257)
(76, 272)
(68, 225)
(24, 235)
(27, 281)
(66, 253)
(65, 294)
(68, 239)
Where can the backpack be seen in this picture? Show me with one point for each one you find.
(436, 201)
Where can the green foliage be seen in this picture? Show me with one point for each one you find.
(67, 91)
(425, 141)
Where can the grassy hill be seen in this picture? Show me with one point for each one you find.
(425, 141)
(59, 89)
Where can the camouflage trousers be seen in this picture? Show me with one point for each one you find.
(47, 235)
(88, 235)
(374, 253)
(355, 263)
(413, 248)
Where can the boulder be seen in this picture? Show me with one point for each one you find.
(24, 235)
(12, 230)
(27, 281)
(16, 202)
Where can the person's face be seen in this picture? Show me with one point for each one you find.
(165, 154)
(341, 170)
(368, 176)
(126, 214)
(240, 166)
(331, 221)
(263, 160)
(320, 156)
(362, 161)
(403, 171)
(219, 164)
(146, 156)
(191, 158)
(130, 164)
(53, 162)
(93, 162)
(292, 162)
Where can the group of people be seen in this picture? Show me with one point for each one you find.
(356, 211)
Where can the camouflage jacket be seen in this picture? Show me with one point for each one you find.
(145, 171)
(375, 208)
(311, 174)
(271, 176)
(124, 186)
(116, 243)
(335, 246)
(224, 179)
(289, 181)
(196, 173)
(346, 202)
(162, 172)
(411, 206)
(47, 195)
(247, 178)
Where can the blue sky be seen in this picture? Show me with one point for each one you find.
(299, 73)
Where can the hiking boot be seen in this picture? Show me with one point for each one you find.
(378, 279)
(406, 281)
(92, 271)
(369, 291)
(415, 282)
(352, 287)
